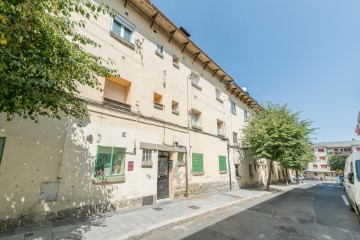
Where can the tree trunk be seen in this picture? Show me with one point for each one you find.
(286, 177)
(269, 176)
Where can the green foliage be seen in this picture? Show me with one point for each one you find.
(41, 57)
(336, 162)
(279, 135)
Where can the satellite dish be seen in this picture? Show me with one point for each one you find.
(244, 89)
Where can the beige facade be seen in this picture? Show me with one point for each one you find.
(163, 104)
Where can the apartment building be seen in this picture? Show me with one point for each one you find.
(169, 125)
(319, 169)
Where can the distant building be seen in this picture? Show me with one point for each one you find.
(319, 169)
(357, 129)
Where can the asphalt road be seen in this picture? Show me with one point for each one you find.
(313, 210)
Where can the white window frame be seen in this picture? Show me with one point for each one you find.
(123, 24)
(232, 107)
(195, 115)
(221, 130)
(235, 138)
(246, 114)
(147, 155)
(195, 77)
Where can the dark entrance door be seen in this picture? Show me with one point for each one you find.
(163, 175)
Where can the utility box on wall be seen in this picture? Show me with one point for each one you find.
(49, 191)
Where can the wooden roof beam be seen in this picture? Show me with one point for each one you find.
(215, 71)
(206, 64)
(153, 19)
(184, 46)
(222, 78)
(126, 1)
(171, 35)
(196, 56)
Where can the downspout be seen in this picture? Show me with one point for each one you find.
(228, 152)
(188, 132)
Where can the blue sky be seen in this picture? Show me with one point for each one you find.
(302, 52)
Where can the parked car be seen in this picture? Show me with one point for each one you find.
(352, 181)
(340, 180)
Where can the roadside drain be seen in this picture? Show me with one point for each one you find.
(157, 209)
(193, 207)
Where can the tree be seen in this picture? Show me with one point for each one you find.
(337, 162)
(276, 134)
(301, 158)
(42, 60)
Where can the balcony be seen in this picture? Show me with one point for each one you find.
(117, 105)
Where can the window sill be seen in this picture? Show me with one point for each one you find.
(233, 113)
(219, 100)
(158, 106)
(196, 86)
(181, 164)
(177, 65)
(122, 40)
(196, 128)
(223, 171)
(175, 112)
(104, 180)
(197, 173)
(222, 135)
(117, 105)
(160, 54)
(146, 164)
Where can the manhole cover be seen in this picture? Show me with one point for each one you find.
(157, 209)
(193, 207)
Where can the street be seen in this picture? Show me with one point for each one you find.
(314, 210)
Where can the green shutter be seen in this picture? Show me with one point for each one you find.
(2, 145)
(197, 162)
(222, 163)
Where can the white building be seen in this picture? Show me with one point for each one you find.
(170, 125)
(319, 169)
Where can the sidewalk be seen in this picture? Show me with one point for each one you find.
(137, 222)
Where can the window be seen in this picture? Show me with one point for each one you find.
(197, 163)
(110, 161)
(220, 128)
(315, 173)
(175, 107)
(123, 29)
(147, 155)
(159, 49)
(181, 158)
(2, 145)
(235, 138)
(322, 158)
(232, 107)
(116, 92)
(314, 166)
(245, 114)
(324, 166)
(218, 95)
(321, 150)
(195, 79)
(222, 164)
(358, 149)
(335, 149)
(251, 174)
(195, 118)
(158, 101)
(176, 61)
(237, 174)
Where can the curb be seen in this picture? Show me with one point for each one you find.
(185, 219)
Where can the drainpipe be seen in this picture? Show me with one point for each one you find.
(228, 152)
(188, 132)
